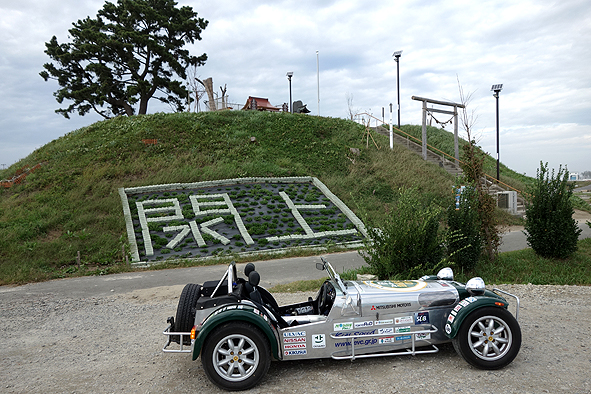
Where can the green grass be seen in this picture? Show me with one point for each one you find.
(518, 267)
(444, 141)
(524, 266)
(71, 203)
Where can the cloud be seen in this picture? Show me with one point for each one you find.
(539, 50)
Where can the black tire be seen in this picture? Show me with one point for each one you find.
(245, 350)
(185, 311)
(489, 338)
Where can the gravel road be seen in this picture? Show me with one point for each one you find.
(112, 344)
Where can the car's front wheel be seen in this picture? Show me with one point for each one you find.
(489, 338)
(236, 356)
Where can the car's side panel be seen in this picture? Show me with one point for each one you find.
(368, 327)
(465, 307)
(233, 313)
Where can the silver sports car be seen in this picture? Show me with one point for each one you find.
(237, 328)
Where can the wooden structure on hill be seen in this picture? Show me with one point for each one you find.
(259, 104)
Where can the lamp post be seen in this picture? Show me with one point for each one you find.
(397, 58)
(497, 89)
(289, 75)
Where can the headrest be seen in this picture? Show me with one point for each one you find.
(248, 269)
(254, 278)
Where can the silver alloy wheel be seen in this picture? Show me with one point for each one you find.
(490, 338)
(235, 357)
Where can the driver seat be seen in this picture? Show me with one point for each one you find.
(262, 297)
(251, 287)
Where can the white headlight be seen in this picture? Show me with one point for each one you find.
(475, 286)
(445, 274)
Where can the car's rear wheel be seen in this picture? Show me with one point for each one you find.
(236, 356)
(489, 338)
(185, 311)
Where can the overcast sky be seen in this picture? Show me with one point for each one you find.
(539, 50)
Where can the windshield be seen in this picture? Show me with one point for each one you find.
(334, 276)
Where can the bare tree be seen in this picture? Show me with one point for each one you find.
(351, 112)
(208, 85)
(195, 87)
(472, 166)
(224, 97)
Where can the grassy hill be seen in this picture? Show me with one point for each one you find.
(71, 202)
(444, 141)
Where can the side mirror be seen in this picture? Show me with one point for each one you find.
(320, 266)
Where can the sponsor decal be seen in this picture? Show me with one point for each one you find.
(358, 342)
(388, 330)
(391, 306)
(448, 328)
(422, 337)
(403, 337)
(231, 307)
(460, 305)
(451, 318)
(300, 352)
(398, 285)
(383, 322)
(422, 318)
(294, 334)
(294, 340)
(318, 341)
(364, 324)
(404, 320)
(354, 333)
(343, 326)
(400, 330)
(294, 346)
(386, 340)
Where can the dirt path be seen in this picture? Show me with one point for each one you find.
(112, 344)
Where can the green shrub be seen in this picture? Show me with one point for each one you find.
(550, 228)
(464, 243)
(408, 241)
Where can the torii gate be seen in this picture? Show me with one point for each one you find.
(454, 113)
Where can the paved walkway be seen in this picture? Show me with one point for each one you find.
(273, 272)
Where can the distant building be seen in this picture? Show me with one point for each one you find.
(259, 104)
(574, 176)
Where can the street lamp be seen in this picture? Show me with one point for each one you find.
(289, 75)
(497, 89)
(397, 57)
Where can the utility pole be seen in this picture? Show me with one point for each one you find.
(497, 89)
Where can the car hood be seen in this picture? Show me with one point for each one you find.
(391, 297)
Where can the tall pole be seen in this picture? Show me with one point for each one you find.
(397, 55)
(398, 87)
(289, 75)
(318, 80)
(497, 89)
(498, 144)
